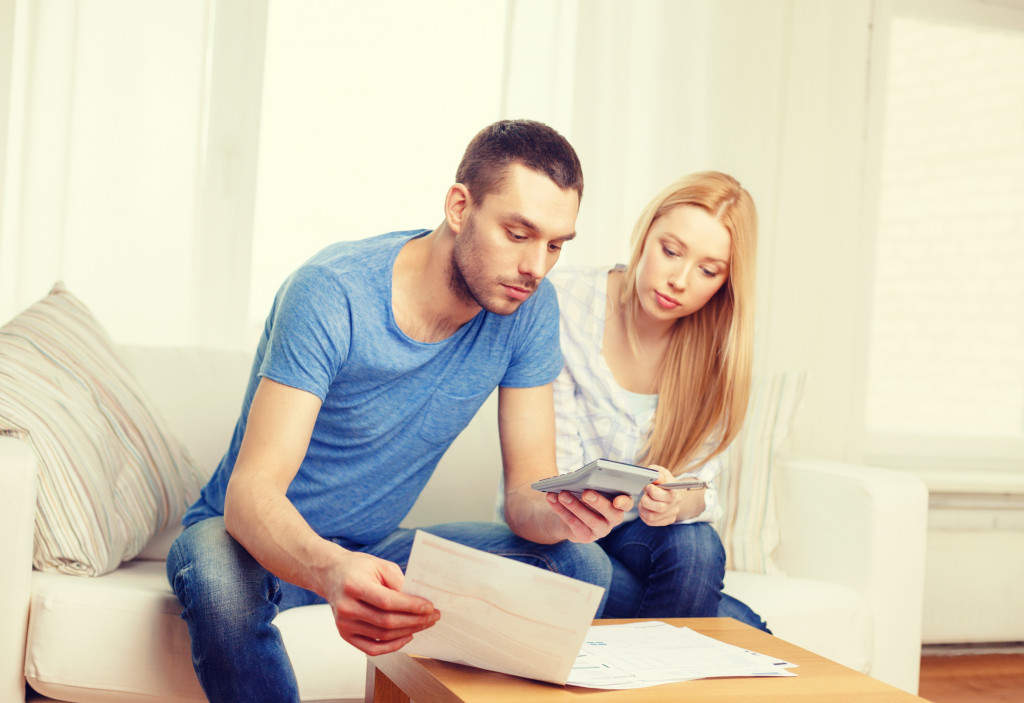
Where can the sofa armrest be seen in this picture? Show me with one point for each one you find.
(17, 525)
(865, 528)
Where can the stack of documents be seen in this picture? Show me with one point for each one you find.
(502, 615)
(650, 653)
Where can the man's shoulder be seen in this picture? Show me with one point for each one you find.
(358, 254)
(341, 276)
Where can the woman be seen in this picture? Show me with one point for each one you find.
(668, 388)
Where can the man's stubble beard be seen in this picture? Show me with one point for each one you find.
(458, 266)
(465, 277)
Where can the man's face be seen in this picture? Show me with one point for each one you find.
(510, 240)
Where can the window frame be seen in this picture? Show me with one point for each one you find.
(964, 463)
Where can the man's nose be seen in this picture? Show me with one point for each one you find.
(535, 261)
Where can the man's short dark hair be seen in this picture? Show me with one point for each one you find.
(485, 164)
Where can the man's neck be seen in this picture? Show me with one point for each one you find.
(425, 307)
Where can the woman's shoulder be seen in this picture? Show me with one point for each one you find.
(580, 284)
(581, 305)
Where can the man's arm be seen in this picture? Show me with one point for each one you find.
(526, 425)
(370, 611)
(568, 444)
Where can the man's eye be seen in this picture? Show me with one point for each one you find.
(555, 247)
(517, 237)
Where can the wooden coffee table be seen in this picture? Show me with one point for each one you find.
(397, 677)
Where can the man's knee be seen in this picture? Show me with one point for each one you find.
(208, 569)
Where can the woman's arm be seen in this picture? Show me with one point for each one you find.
(665, 506)
(708, 472)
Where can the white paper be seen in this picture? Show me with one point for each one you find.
(649, 653)
(496, 613)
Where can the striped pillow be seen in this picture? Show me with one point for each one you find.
(110, 477)
(750, 526)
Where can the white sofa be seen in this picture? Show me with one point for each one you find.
(852, 547)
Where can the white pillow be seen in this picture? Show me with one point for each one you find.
(749, 527)
(110, 476)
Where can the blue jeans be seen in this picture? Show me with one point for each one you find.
(675, 571)
(229, 601)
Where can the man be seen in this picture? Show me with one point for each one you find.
(375, 355)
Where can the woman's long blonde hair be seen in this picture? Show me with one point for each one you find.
(704, 379)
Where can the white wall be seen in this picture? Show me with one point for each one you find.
(365, 118)
(172, 161)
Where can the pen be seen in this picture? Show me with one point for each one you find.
(683, 485)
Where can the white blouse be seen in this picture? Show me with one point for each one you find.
(594, 416)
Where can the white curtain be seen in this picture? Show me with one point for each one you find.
(172, 160)
(130, 161)
(775, 93)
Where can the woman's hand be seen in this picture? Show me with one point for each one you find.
(662, 506)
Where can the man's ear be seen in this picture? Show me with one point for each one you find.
(456, 207)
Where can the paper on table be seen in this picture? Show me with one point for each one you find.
(496, 613)
(651, 653)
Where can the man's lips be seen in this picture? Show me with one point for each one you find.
(517, 292)
(666, 302)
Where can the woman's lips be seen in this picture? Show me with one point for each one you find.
(666, 302)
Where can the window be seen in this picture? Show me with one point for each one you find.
(946, 352)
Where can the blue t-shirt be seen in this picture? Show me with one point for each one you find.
(391, 405)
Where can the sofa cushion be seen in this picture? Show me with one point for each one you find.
(826, 618)
(110, 476)
(198, 392)
(119, 637)
(749, 526)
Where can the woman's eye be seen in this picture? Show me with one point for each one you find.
(709, 272)
(669, 252)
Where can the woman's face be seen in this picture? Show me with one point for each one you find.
(685, 261)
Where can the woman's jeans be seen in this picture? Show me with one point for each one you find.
(675, 571)
(229, 601)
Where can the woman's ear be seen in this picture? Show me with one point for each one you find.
(456, 207)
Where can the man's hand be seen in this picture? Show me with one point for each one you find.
(591, 518)
(526, 422)
(662, 506)
(370, 611)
